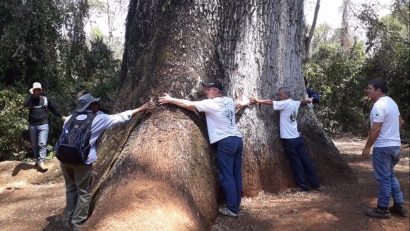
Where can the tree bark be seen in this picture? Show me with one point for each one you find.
(161, 163)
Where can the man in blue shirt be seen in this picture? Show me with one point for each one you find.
(78, 176)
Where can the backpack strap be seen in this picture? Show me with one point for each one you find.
(43, 103)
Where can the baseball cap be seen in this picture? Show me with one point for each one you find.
(214, 83)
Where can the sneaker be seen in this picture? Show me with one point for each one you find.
(378, 213)
(225, 211)
(42, 166)
(317, 188)
(399, 210)
(67, 226)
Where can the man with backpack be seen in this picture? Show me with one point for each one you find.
(39, 105)
(77, 150)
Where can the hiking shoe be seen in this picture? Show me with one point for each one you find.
(378, 213)
(317, 188)
(42, 166)
(225, 211)
(399, 210)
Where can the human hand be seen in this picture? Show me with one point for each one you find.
(240, 104)
(253, 100)
(64, 118)
(147, 106)
(366, 153)
(164, 98)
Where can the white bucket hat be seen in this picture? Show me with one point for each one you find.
(85, 101)
(36, 85)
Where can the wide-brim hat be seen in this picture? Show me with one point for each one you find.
(214, 83)
(36, 85)
(85, 101)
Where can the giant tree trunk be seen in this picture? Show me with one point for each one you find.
(159, 170)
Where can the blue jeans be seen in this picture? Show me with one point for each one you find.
(300, 163)
(384, 160)
(39, 137)
(229, 157)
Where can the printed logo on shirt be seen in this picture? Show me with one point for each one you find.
(229, 115)
(292, 117)
(81, 117)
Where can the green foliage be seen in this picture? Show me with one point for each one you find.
(28, 41)
(337, 77)
(341, 78)
(102, 70)
(390, 57)
(44, 40)
(13, 123)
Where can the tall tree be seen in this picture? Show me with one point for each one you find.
(346, 40)
(308, 39)
(159, 171)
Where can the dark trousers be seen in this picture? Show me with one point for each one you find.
(300, 163)
(229, 157)
(78, 192)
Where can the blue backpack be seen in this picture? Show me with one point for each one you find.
(73, 146)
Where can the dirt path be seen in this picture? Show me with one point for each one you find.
(31, 201)
(336, 207)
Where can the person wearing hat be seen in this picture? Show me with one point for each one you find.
(39, 105)
(77, 177)
(299, 160)
(224, 134)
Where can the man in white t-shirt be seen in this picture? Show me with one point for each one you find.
(384, 136)
(223, 132)
(299, 159)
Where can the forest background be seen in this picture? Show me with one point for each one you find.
(47, 41)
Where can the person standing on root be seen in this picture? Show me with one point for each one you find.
(77, 177)
(39, 105)
(299, 159)
(384, 136)
(222, 130)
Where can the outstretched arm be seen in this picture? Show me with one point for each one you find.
(306, 101)
(145, 107)
(184, 103)
(241, 104)
(261, 101)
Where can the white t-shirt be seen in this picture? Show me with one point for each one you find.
(288, 113)
(220, 117)
(385, 110)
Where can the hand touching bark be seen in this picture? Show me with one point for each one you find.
(164, 99)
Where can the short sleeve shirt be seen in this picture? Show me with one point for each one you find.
(220, 117)
(386, 111)
(288, 113)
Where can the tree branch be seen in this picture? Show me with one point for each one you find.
(308, 40)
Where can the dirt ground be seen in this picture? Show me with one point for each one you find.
(30, 200)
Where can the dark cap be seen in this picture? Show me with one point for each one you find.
(85, 101)
(214, 83)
